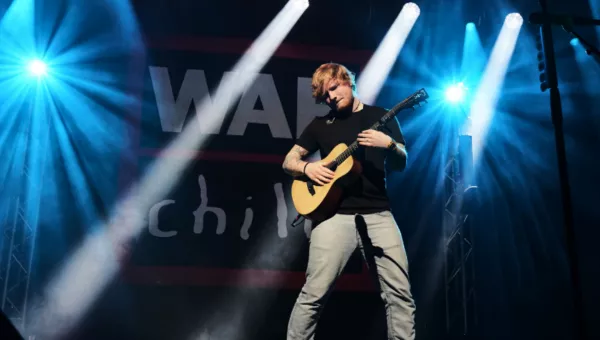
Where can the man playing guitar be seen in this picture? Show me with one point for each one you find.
(363, 219)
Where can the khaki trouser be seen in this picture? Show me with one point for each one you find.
(331, 244)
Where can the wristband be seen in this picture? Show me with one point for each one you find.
(392, 145)
(304, 169)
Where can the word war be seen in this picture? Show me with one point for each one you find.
(194, 89)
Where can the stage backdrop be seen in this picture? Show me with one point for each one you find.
(218, 255)
(227, 222)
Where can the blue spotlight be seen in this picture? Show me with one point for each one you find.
(37, 68)
(456, 93)
(574, 42)
(471, 25)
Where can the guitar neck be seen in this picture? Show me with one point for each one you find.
(381, 122)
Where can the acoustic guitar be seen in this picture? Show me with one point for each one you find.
(319, 202)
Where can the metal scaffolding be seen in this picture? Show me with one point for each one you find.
(18, 243)
(461, 316)
(20, 220)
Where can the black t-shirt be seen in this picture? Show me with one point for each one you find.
(367, 194)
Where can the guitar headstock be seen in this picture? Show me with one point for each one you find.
(416, 99)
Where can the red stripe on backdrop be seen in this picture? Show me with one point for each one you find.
(244, 278)
(239, 46)
(223, 156)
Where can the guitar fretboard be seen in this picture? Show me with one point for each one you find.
(354, 146)
(409, 102)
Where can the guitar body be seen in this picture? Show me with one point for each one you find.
(317, 202)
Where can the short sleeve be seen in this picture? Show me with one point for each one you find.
(392, 128)
(308, 138)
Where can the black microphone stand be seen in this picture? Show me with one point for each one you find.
(557, 120)
(589, 48)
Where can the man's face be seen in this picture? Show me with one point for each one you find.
(338, 95)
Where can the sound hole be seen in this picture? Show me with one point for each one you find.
(332, 166)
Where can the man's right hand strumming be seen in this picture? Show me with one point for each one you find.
(295, 166)
(319, 173)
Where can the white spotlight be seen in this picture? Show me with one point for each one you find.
(485, 99)
(377, 69)
(412, 10)
(300, 3)
(37, 68)
(513, 20)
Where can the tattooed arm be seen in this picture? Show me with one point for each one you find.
(293, 163)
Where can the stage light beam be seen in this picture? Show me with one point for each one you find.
(95, 262)
(574, 42)
(456, 93)
(301, 3)
(37, 68)
(514, 20)
(487, 94)
(412, 10)
(376, 71)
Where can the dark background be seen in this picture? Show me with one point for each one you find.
(523, 289)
